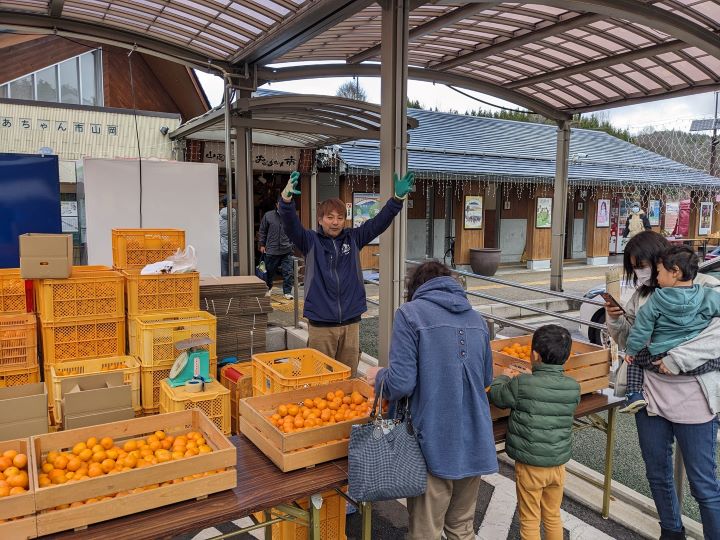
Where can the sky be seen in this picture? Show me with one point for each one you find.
(675, 113)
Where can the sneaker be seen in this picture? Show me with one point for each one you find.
(268, 293)
(633, 403)
(288, 296)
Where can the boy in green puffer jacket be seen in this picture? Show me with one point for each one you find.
(540, 430)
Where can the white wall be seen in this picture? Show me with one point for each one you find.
(513, 234)
(175, 195)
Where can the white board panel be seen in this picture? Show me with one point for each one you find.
(185, 196)
(513, 235)
(175, 195)
(112, 200)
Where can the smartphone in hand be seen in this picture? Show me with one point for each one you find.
(611, 300)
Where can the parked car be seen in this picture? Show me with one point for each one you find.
(595, 313)
(712, 254)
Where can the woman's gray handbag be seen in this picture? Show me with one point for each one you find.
(385, 460)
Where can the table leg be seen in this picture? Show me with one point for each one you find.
(366, 513)
(314, 514)
(268, 529)
(609, 451)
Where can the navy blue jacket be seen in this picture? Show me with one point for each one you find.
(440, 356)
(334, 286)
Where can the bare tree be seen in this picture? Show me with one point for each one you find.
(352, 90)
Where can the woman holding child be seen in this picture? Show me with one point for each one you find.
(440, 357)
(679, 396)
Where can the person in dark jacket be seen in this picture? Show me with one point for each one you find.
(334, 286)
(277, 248)
(637, 222)
(440, 357)
(540, 430)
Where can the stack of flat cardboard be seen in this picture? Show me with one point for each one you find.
(241, 308)
(25, 411)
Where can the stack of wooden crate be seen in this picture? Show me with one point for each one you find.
(82, 318)
(18, 333)
(161, 309)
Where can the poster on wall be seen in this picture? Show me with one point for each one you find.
(473, 212)
(705, 223)
(365, 206)
(654, 213)
(672, 212)
(543, 213)
(602, 219)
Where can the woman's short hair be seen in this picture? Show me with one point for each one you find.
(647, 246)
(330, 205)
(424, 273)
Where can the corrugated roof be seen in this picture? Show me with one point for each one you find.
(471, 145)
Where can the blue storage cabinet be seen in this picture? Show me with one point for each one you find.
(29, 201)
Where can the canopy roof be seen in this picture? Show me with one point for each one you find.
(556, 57)
(504, 149)
(284, 119)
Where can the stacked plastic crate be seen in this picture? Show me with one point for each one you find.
(18, 333)
(161, 309)
(82, 318)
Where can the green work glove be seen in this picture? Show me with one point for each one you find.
(403, 185)
(291, 187)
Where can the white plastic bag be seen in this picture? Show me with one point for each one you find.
(153, 269)
(184, 261)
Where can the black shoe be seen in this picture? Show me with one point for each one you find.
(666, 534)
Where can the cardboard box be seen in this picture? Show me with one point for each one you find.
(45, 256)
(94, 419)
(24, 411)
(92, 394)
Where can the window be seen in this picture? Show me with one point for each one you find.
(46, 84)
(69, 82)
(76, 81)
(22, 88)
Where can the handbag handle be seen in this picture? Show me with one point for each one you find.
(378, 397)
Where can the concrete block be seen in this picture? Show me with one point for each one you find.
(597, 261)
(540, 264)
(275, 339)
(296, 338)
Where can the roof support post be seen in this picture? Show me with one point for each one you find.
(244, 194)
(228, 179)
(559, 212)
(393, 158)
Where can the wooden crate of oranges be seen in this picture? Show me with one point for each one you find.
(303, 427)
(146, 462)
(17, 495)
(588, 364)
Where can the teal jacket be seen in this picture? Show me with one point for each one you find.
(672, 316)
(543, 405)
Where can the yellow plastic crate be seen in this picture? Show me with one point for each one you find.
(18, 377)
(150, 385)
(135, 248)
(88, 294)
(296, 368)
(18, 342)
(82, 340)
(12, 291)
(332, 520)
(163, 293)
(129, 365)
(152, 337)
(214, 401)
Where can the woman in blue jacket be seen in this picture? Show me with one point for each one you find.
(440, 357)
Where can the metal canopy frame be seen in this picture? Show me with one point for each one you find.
(311, 121)
(569, 56)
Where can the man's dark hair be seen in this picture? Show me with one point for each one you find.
(684, 258)
(552, 343)
(424, 273)
(646, 246)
